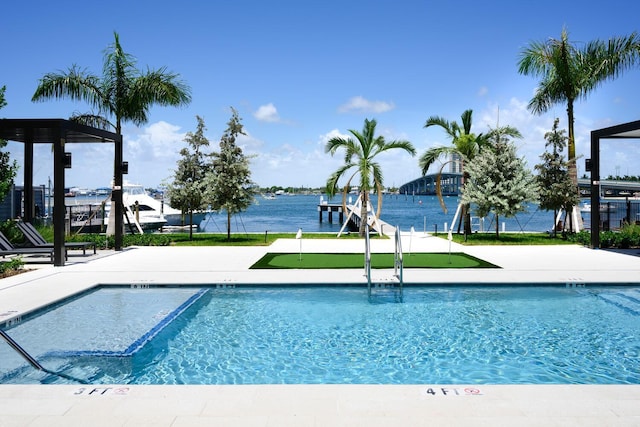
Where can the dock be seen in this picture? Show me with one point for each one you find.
(330, 209)
(353, 217)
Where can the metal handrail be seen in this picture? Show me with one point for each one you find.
(398, 264)
(32, 361)
(367, 258)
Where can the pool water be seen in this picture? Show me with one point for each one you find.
(323, 335)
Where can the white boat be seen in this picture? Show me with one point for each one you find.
(153, 213)
(132, 193)
(586, 207)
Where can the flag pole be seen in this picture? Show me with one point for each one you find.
(299, 237)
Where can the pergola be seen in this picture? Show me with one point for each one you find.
(60, 132)
(629, 130)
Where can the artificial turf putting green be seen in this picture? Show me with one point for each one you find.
(355, 260)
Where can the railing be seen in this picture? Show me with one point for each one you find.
(398, 262)
(367, 258)
(33, 362)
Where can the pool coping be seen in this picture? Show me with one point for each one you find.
(314, 405)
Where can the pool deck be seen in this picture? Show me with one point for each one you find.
(315, 405)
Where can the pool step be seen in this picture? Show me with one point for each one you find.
(626, 300)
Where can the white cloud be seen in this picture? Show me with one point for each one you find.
(267, 113)
(335, 133)
(362, 105)
(159, 140)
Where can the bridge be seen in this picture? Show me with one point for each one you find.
(610, 188)
(450, 184)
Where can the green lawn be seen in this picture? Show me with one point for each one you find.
(356, 260)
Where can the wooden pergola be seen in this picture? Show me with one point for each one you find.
(60, 132)
(629, 130)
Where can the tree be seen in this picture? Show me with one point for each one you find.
(122, 93)
(186, 191)
(229, 181)
(569, 73)
(359, 157)
(499, 181)
(556, 191)
(8, 168)
(466, 146)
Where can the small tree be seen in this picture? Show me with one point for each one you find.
(186, 192)
(556, 189)
(499, 181)
(8, 168)
(229, 185)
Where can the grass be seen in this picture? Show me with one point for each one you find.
(378, 260)
(509, 239)
(249, 239)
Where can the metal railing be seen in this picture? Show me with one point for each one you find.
(398, 262)
(367, 258)
(33, 362)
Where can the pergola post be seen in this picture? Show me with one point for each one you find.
(59, 208)
(116, 193)
(27, 192)
(595, 191)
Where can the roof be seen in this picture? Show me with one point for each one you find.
(624, 130)
(48, 130)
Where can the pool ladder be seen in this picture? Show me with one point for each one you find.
(398, 263)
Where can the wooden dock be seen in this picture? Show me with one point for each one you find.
(353, 215)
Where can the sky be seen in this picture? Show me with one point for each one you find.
(302, 72)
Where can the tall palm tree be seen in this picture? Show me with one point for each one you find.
(465, 146)
(360, 152)
(568, 73)
(122, 93)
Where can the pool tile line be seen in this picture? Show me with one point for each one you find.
(138, 344)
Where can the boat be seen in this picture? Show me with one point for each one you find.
(151, 209)
(586, 207)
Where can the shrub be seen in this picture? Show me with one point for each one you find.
(8, 268)
(627, 237)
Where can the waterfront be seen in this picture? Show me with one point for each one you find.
(289, 213)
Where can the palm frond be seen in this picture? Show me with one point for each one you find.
(76, 84)
(432, 154)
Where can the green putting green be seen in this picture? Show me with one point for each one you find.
(378, 260)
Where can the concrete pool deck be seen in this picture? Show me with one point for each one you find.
(317, 405)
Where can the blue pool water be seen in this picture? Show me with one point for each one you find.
(310, 335)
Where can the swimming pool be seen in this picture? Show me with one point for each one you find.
(312, 335)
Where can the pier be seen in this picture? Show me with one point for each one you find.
(353, 218)
(330, 209)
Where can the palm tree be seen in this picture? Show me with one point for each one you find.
(122, 93)
(569, 73)
(465, 146)
(360, 156)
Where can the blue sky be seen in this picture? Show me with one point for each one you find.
(300, 72)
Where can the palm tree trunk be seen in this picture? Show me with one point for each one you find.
(190, 223)
(573, 167)
(363, 213)
(497, 227)
(228, 225)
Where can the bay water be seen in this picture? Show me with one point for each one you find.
(286, 213)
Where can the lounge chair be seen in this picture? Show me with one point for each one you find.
(6, 248)
(36, 240)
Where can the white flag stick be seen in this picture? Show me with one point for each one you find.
(299, 237)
